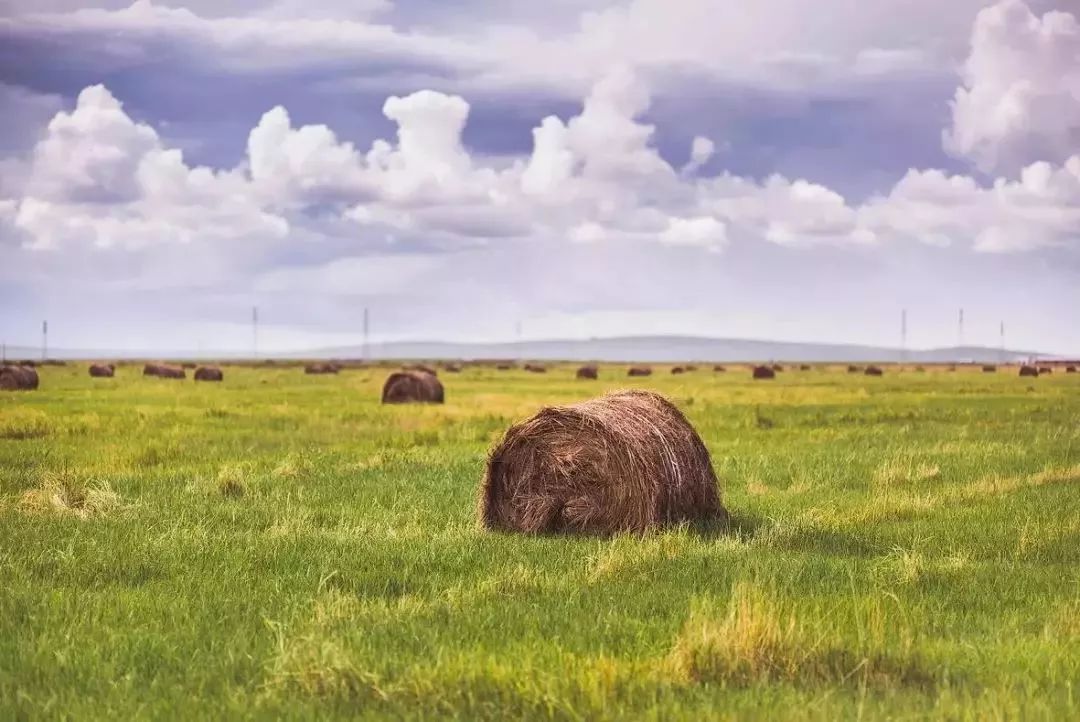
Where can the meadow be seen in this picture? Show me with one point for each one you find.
(282, 546)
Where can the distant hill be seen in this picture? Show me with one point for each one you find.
(643, 348)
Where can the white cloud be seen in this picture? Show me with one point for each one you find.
(705, 232)
(701, 150)
(1021, 97)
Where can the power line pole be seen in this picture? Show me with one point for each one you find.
(903, 335)
(44, 340)
(364, 349)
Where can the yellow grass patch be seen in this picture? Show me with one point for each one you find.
(65, 494)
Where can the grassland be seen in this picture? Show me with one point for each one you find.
(282, 546)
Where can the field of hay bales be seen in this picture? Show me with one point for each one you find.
(284, 545)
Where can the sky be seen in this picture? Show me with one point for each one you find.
(490, 171)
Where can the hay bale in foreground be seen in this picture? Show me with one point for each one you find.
(763, 372)
(320, 367)
(102, 371)
(18, 378)
(412, 387)
(1029, 371)
(873, 371)
(163, 371)
(625, 462)
(589, 371)
(639, 371)
(209, 373)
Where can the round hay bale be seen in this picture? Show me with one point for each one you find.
(504, 366)
(853, 369)
(639, 371)
(678, 370)
(18, 378)
(873, 371)
(536, 368)
(804, 367)
(421, 368)
(320, 367)
(102, 371)
(164, 371)
(777, 367)
(209, 373)
(719, 369)
(763, 372)
(1070, 369)
(412, 387)
(625, 462)
(1045, 370)
(589, 371)
(1029, 371)
(690, 367)
(989, 369)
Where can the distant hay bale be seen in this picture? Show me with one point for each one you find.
(625, 462)
(777, 367)
(209, 373)
(1029, 371)
(763, 372)
(536, 368)
(18, 378)
(1045, 370)
(589, 371)
(920, 369)
(421, 368)
(678, 370)
(164, 371)
(504, 366)
(320, 367)
(804, 367)
(1070, 369)
(639, 371)
(853, 369)
(873, 371)
(989, 369)
(719, 369)
(690, 367)
(102, 371)
(412, 387)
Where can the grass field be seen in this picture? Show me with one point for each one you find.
(282, 546)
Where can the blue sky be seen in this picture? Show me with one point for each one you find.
(778, 170)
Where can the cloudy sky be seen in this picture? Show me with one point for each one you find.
(777, 169)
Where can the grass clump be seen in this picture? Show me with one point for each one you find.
(66, 494)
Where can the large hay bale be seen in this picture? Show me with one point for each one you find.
(625, 462)
(589, 371)
(639, 371)
(763, 372)
(412, 387)
(873, 371)
(209, 373)
(321, 367)
(164, 371)
(102, 371)
(1029, 371)
(18, 378)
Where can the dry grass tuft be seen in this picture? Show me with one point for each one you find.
(66, 494)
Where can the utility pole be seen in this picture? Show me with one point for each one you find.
(44, 340)
(903, 335)
(254, 332)
(365, 349)
(960, 330)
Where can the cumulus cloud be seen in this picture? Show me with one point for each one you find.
(1020, 101)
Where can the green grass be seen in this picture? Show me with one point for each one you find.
(282, 546)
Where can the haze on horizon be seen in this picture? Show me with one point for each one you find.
(786, 171)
